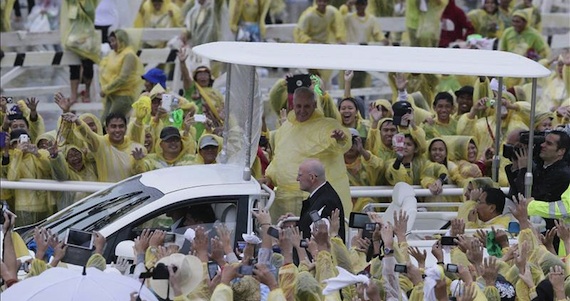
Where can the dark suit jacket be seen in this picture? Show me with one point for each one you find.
(325, 197)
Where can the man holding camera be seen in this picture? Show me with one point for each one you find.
(551, 171)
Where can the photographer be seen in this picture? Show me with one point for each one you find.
(551, 172)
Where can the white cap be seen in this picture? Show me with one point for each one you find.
(125, 249)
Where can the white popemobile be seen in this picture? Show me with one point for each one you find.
(143, 201)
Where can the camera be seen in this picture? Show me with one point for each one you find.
(448, 241)
(160, 271)
(368, 230)
(297, 81)
(24, 138)
(315, 216)
(452, 268)
(510, 151)
(400, 109)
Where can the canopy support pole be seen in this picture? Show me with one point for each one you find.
(497, 157)
(223, 154)
(528, 175)
(248, 124)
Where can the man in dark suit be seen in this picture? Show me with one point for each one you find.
(322, 199)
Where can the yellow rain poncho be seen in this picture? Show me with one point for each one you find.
(204, 22)
(555, 90)
(120, 76)
(364, 172)
(483, 23)
(248, 11)
(535, 20)
(457, 152)
(30, 205)
(199, 159)
(426, 84)
(429, 23)
(296, 141)
(439, 129)
(362, 29)
(451, 167)
(224, 292)
(77, 28)
(62, 171)
(380, 8)
(113, 161)
(168, 16)
(35, 128)
(327, 28)
(6, 7)
(157, 160)
(421, 171)
(278, 100)
(529, 39)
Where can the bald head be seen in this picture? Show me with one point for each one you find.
(311, 175)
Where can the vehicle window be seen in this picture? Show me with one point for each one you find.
(205, 213)
(102, 208)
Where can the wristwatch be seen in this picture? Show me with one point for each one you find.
(388, 251)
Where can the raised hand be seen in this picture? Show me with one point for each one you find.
(437, 251)
(401, 81)
(401, 225)
(338, 135)
(138, 154)
(334, 220)
(418, 255)
(69, 117)
(182, 54)
(489, 270)
(457, 227)
(348, 75)
(142, 242)
(32, 103)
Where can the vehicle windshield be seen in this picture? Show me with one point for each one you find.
(100, 209)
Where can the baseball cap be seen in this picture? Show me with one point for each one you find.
(208, 141)
(464, 90)
(169, 132)
(155, 76)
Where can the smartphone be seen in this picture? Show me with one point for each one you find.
(241, 245)
(24, 138)
(398, 141)
(452, 268)
(169, 238)
(273, 232)
(368, 230)
(400, 268)
(296, 81)
(358, 220)
(315, 216)
(200, 118)
(80, 239)
(166, 100)
(304, 243)
(213, 269)
(448, 241)
(245, 270)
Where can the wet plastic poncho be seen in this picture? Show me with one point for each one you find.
(199, 159)
(63, 172)
(379, 8)
(204, 22)
(296, 141)
(423, 83)
(362, 30)
(77, 28)
(6, 7)
(554, 93)
(113, 161)
(278, 100)
(429, 23)
(248, 11)
(525, 41)
(451, 168)
(31, 205)
(120, 73)
(148, 17)
(157, 160)
(223, 292)
(535, 19)
(327, 28)
(439, 129)
(35, 128)
(421, 171)
(364, 172)
(482, 21)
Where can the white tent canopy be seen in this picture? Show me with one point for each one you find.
(375, 58)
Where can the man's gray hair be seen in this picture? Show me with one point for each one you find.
(304, 92)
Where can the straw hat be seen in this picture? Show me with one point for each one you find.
(191, 275)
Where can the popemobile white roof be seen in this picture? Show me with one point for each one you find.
(216, 176)
(375, 58)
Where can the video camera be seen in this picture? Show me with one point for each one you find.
(510, 151)
(160, 271)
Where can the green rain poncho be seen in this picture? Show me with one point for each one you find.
(296, 141)
(77, 28)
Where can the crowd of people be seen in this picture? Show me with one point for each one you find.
(434, 130)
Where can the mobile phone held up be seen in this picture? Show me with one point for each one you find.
(272, 231)
(358, 220)
(80, 239)
(448, 241)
